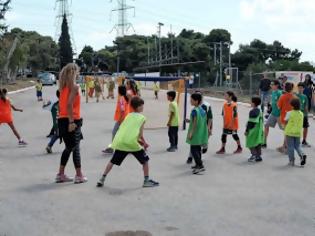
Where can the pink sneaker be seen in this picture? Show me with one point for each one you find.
(63, 179)
(80, 179)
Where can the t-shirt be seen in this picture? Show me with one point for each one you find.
(265, 85)
(274, 102)
(173, 108)
(304, 102)
(39, 87)
(284, 105)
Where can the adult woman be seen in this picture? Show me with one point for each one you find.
(70, 122)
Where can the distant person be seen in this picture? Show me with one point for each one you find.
(274, 117)
(98, 89)
(264, 91)
(111, 88)
(255, 131)
(173, 121)
(139, 87)
(284, 105)
(230, 122)
(156, 89)
(70, 123)
(130, 140)
(293, 131)
(132, 91)
(6, 116)
(305, 109)
(39, 90)
(91, 87)
(54, 113)
(197, 135)
(82, 86)
(308, 91)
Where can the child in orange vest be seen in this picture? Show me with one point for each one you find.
(6, 114)
(230, 122)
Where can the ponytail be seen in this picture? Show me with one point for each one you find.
(232, 95)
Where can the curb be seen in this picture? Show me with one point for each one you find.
(21, 90)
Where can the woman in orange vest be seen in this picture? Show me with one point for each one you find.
(6, 116)
(132, 91)
(70, 122)
(230, 122)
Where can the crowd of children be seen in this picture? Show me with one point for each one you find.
(287, 109)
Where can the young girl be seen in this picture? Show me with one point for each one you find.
(120, 114)
(230, 122)
(156, 89)
(132, 91)
(6, 114)
(98, 89)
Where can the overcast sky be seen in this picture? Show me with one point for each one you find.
(290, 21)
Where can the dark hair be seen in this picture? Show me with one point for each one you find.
(3, 93)
(276, 82)
(301, 84)
(196, 97)
(256, 100)
(133, 86)
(295, 103)
(136, 102)
(232, 95)
(171, 94)
(58, 93)
(288, 87)
(123, 92)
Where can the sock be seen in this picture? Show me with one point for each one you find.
(103, 178)
(146, 178)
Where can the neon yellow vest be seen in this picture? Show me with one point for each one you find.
(295, 124)
(127, 137)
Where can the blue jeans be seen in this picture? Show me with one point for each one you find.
(294, 144)
(265, 99)
(53, 139)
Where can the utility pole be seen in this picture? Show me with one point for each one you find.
(160, 42)
(156, 50)
(63, 11)
(123, 25)
(172, 44)
(148, 43)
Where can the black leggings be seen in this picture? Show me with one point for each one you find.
(224, 137)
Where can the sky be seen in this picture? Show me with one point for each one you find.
(290, 21)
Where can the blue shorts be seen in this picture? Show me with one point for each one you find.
(39, 93)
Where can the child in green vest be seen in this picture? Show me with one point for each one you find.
(156, 89)
(304, 108)
(293, 132)
(254, 131)
(129, 140)
(197, 135)
(173, 121)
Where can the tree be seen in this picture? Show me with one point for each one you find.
(65, 48)
(4, 7)
(87, 57)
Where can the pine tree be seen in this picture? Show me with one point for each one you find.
(65, 48)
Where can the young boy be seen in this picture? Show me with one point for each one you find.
(197, 135)
(254, 131)
(156, 89)
(82, 86)
(54, 113)
(284, 105)
(273, 118)
(111, 88)
(129, 140)
(304, 108)
(39, 90)
(173, 121)
(293, 131)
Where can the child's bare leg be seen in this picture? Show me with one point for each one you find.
(146, 169)
(108, 168)
(305, 133)
(14, 131)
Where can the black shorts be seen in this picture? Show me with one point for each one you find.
(119, 157)
(306, 124)
(229, 132)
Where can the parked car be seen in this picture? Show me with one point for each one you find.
(47, 78)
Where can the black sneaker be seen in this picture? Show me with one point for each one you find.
(303, 160)
(171, 149)
(150, 183)
(199, 170)
(264, 146)
(252, 159)
(194, 167)
(189, 160)
(258, 159)
(204, 150)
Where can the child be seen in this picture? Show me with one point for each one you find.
(156, 89)
(120, 114)
(293, 131)
(273, 118)
(6, 114)
(129, 140)
(91, 86)
(39, 90)
(304, 108)
(284, 105)
(110, 87)
(139, 87)
(254, 131)
(173, 121)
(197, 135)
(230, 122)
(54, 113)
(98, 89)
(82, 86)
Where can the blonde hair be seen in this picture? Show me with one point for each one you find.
(68, 75)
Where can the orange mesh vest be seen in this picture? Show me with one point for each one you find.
(230, 122)
(63, 102)
(5, 111)
(120, 102)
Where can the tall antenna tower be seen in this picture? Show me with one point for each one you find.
(123, 25)
(63, 10)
